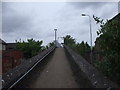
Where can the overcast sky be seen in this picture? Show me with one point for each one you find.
(38, 20)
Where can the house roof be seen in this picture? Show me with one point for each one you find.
(2, 42)
(116, 17)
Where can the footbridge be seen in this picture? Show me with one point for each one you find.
(56, 67)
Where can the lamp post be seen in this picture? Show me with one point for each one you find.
(55, 35)
(90, 35)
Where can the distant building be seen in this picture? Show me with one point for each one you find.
(9, 56)
(11, 59)
(2, 45)
(11, 46)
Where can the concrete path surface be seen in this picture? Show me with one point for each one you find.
(57, 73)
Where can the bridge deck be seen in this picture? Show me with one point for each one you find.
(57, 73)
(54, 72)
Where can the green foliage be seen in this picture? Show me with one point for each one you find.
(68, 40)
(108, 40)
(104, 66)
(81, 48)
(30, 48)
(51, 44)
(43, 48)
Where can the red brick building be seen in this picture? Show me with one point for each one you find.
(10, 58)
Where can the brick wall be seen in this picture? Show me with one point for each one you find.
(6, 64)
(10, 59)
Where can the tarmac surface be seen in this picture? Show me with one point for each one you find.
(55, 71)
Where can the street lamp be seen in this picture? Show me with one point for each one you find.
(55, 35)
(90, 34)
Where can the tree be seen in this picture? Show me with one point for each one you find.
(68, 40)
(30, 48)
(51, 44)
(83, 48)
(108, 40)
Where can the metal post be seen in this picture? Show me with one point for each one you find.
(55, 35)
(90, 39)
(91, 54)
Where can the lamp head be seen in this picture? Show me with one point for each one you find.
(83, 14)
(55, 29)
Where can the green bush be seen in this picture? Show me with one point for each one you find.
(30, 48)
(81, 48)
(104, 66)
(108, 40)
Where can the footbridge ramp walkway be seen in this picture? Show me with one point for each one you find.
(56, 67)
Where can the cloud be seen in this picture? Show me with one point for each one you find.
(76, 25)
(83, 5)
(38, 20)
(102, 9)
(12, 21)
(109, 10)
(27, 20)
